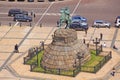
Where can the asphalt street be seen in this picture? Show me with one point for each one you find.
(91, 9)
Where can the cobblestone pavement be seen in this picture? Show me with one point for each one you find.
(10, 36)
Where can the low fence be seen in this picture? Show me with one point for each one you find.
(94, 69)
(33, 52)
(63, 72)
(74, 72)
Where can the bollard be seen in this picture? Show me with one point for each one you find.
(30, 24)
(24, 60)
(9, 24)
(20, 24)
(110, 54)
(88, 45)
(40, 24)
(101, 36)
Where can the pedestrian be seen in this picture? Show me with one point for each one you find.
(113, 72)
(42, 45)
(104, 44)
(57, 23)
(34, 15)
(84, 41)
(66, 24)
(85, 31)
(88, 45)
(114, 47)
(31, 13)
(101, 36)
(36, 50)
(16, 49)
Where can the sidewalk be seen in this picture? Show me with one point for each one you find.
(24, 70)
(45, 33)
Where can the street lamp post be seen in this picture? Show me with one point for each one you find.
(33, 16)
(96, 42)
(37, 56)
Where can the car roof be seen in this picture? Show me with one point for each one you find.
(20, 15)
(118, 17)
(77, 16)
(15, 9)
(99, 21)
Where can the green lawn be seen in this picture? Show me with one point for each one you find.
(94, 59)
(88, 66)
(34, 59)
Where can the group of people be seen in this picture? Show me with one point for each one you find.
(104, 44)
(114, 47)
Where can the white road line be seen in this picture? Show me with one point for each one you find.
(44, 13)
(16, 23)
(3, 13)
(76, 7)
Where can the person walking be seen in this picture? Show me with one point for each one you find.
(104, 44)
(34, 15)
(113, 72)
(84, 41)
(57, 23)
(16, 49)
(114, 47)
(86, 32)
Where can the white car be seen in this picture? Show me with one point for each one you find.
(117, 22)
(101, 23)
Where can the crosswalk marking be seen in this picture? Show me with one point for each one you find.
(52, 14)
(48, 14)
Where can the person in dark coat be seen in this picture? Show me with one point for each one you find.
(16, 49)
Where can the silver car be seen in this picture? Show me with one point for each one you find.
(101, 23)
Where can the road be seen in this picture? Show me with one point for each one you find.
(91, 9)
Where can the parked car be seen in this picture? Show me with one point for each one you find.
(78, 23)
(22, 17)
(81, 18)
(13, 12)
(101, 23)
(117, 22)
(41, 0)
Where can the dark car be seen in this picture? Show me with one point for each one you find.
(78, 26)
(22, 17)
(13, 12)
(79, 23)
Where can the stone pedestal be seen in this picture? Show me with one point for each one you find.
(62, 52)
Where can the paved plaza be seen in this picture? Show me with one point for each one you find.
(14, 69)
